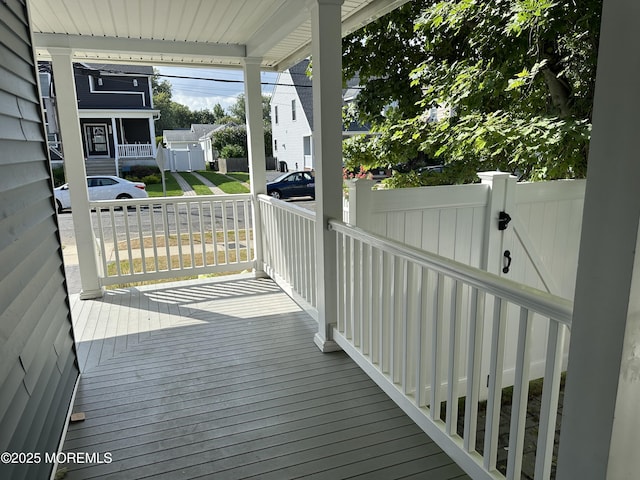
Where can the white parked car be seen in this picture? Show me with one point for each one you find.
(102, 187)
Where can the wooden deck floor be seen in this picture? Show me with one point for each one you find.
(221, 379)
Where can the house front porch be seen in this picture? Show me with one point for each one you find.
(220, 377)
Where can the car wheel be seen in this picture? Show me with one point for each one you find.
(276, 194)
(123, 196)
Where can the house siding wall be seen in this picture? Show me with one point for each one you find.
(288, 134)
(38, 368)
(110, 84)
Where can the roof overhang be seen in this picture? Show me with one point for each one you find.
(108, 113)
(215, 33)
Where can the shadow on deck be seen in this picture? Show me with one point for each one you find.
(222, 379)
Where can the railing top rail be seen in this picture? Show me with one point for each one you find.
(551, 306)
(303, 212)
(170, 200)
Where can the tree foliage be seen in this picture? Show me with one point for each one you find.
(174, 115)
(514, 79)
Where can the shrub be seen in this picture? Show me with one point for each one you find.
(233, 135)
(232, 151)
(58, 176)
(137, 173)
(152, 179)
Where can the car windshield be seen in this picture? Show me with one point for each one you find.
(281, 177)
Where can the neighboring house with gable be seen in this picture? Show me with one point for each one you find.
(115, 107)
(292, 117)
(190, 149)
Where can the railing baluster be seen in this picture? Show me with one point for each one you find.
(520, 396)
(418, 316)
(453, 377)
(140, 239)
(225, 231)
(340, 288)
(203, 241)
(192, 251)
(385, 312)
(549, 401)
(379, 310)
(474, 365)
(436, 352)
(248, 229)
(354, 299)
(114, 235)
(405, 351)
(176, 214)
(127, 232)
(495, 384)
(236, 229)
(348, 311)
(154, 238)
(103, 251)
(167, 238)
(366, 298)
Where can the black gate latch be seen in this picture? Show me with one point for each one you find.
(503, 220)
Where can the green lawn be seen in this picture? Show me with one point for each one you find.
(173, 189)
(225, 183)
(198, 187)
(240, 176)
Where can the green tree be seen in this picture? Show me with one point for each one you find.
(515, 78)
(237, 111)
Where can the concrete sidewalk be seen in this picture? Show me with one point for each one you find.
(186, 188)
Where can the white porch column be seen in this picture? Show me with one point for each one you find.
(326, 39)
(255, 144)
(601, 425)
(75, 170)
(116, 142)
(152, 133)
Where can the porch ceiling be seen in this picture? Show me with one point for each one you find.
(217, 33)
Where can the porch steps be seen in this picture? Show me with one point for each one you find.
(106, 166)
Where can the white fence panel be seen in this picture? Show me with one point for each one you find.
(461, 223)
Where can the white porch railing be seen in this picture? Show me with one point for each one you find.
(415, 322)
(135, 150)
(159, 238)
(289, 248)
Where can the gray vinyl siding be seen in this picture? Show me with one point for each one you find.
(38, 366)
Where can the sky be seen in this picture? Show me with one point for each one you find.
(204, 94)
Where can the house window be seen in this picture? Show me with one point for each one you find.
(275, 114)
(293, 110)
(275, 145)
(135, 82)
(100, 81)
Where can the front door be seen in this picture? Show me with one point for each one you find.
(97, 140)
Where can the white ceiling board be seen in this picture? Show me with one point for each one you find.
(203, 32)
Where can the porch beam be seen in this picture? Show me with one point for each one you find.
(75, 172)
(327, 148)
(255, 145)
(136, 46)
(600, 426)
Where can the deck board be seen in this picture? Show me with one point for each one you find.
(222, 379)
